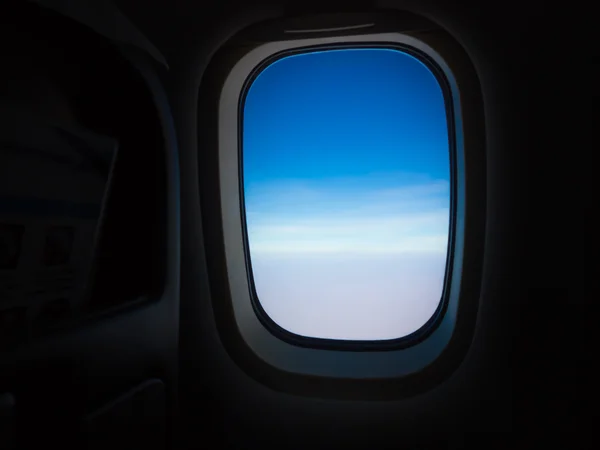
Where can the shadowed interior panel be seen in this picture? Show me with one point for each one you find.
(60, 74)
(50, 82)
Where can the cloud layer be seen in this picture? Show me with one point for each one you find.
(338, 216)
(345, 259)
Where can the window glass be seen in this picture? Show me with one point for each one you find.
(346, 177)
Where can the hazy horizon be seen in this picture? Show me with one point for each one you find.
(347, 188)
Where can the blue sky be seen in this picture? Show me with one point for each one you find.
(345, 159)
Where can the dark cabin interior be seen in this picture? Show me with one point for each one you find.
(134, 344)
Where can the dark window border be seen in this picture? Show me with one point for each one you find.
(331, 374)
(355, 345)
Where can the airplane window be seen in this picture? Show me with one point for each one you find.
(346, 179)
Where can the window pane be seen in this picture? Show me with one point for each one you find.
(346, 177)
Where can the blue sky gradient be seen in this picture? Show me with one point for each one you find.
(347, 192)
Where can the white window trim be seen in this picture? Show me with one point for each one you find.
(373, 364)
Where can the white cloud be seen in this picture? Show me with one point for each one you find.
(427, 244)
(337, 296)
(349, 258)
(304, 218)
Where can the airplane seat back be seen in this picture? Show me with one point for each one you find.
(76, 120)
(45, 181)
